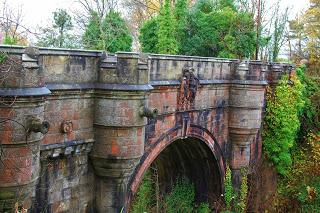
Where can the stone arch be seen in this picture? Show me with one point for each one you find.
(200, 139)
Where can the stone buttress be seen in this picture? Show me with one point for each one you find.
(119, 125)
(22, 127)
(246, 106)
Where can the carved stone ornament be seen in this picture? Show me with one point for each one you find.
(66, 126)
(34, 124)
(188, 89)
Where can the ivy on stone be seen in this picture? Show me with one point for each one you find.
(284, 103)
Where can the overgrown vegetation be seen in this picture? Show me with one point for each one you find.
(143, 199)
(235, 201)
(228, 189)
(300, 187)
(243, 194)
(3, 57)
(295, 148)
(181, 198)
(281, 123)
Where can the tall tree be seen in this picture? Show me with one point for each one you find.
(84, 12)
(148, 36)
(62, 22)
(181, 15)
(270, 24)
(312, 30)
(297, 39)
(278, 35)
(219, 30)
(59, 33)
(91, 37)
(112, 34)
(167, 42)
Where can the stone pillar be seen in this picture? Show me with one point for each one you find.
(246, 103)
(22, 127)
(119, 127)
(274, 72)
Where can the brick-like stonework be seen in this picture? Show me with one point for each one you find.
(111, 116)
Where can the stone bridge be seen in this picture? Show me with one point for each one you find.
(79, 128)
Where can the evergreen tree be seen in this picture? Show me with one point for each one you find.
(181, 15)
(148, 36)
(111, 35)
(116, 34)
(91, 38)
(167, 42)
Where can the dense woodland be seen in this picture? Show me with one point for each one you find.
(245, 29)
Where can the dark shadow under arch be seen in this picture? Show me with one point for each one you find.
(189, 158)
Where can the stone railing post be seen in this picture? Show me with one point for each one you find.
(245, 119)
(22, 128)
(119, 127)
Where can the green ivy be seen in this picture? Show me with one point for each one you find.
(3, 57)
(228, 189)
(243, 194)
(9, 40)
(181, 197)
(310, 116)
(284, 104)
(143, 199)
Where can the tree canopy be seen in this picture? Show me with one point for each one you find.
(206, 29)
(166, 37)
(59, 33)
(110, 34)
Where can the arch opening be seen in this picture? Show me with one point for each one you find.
(189, 159)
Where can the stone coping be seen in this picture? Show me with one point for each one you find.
(15, 49)
(35, 91)
(43, 91)
(86, 86)
(209, 82)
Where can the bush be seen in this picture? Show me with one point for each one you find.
(181, 197)
(143, 199)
